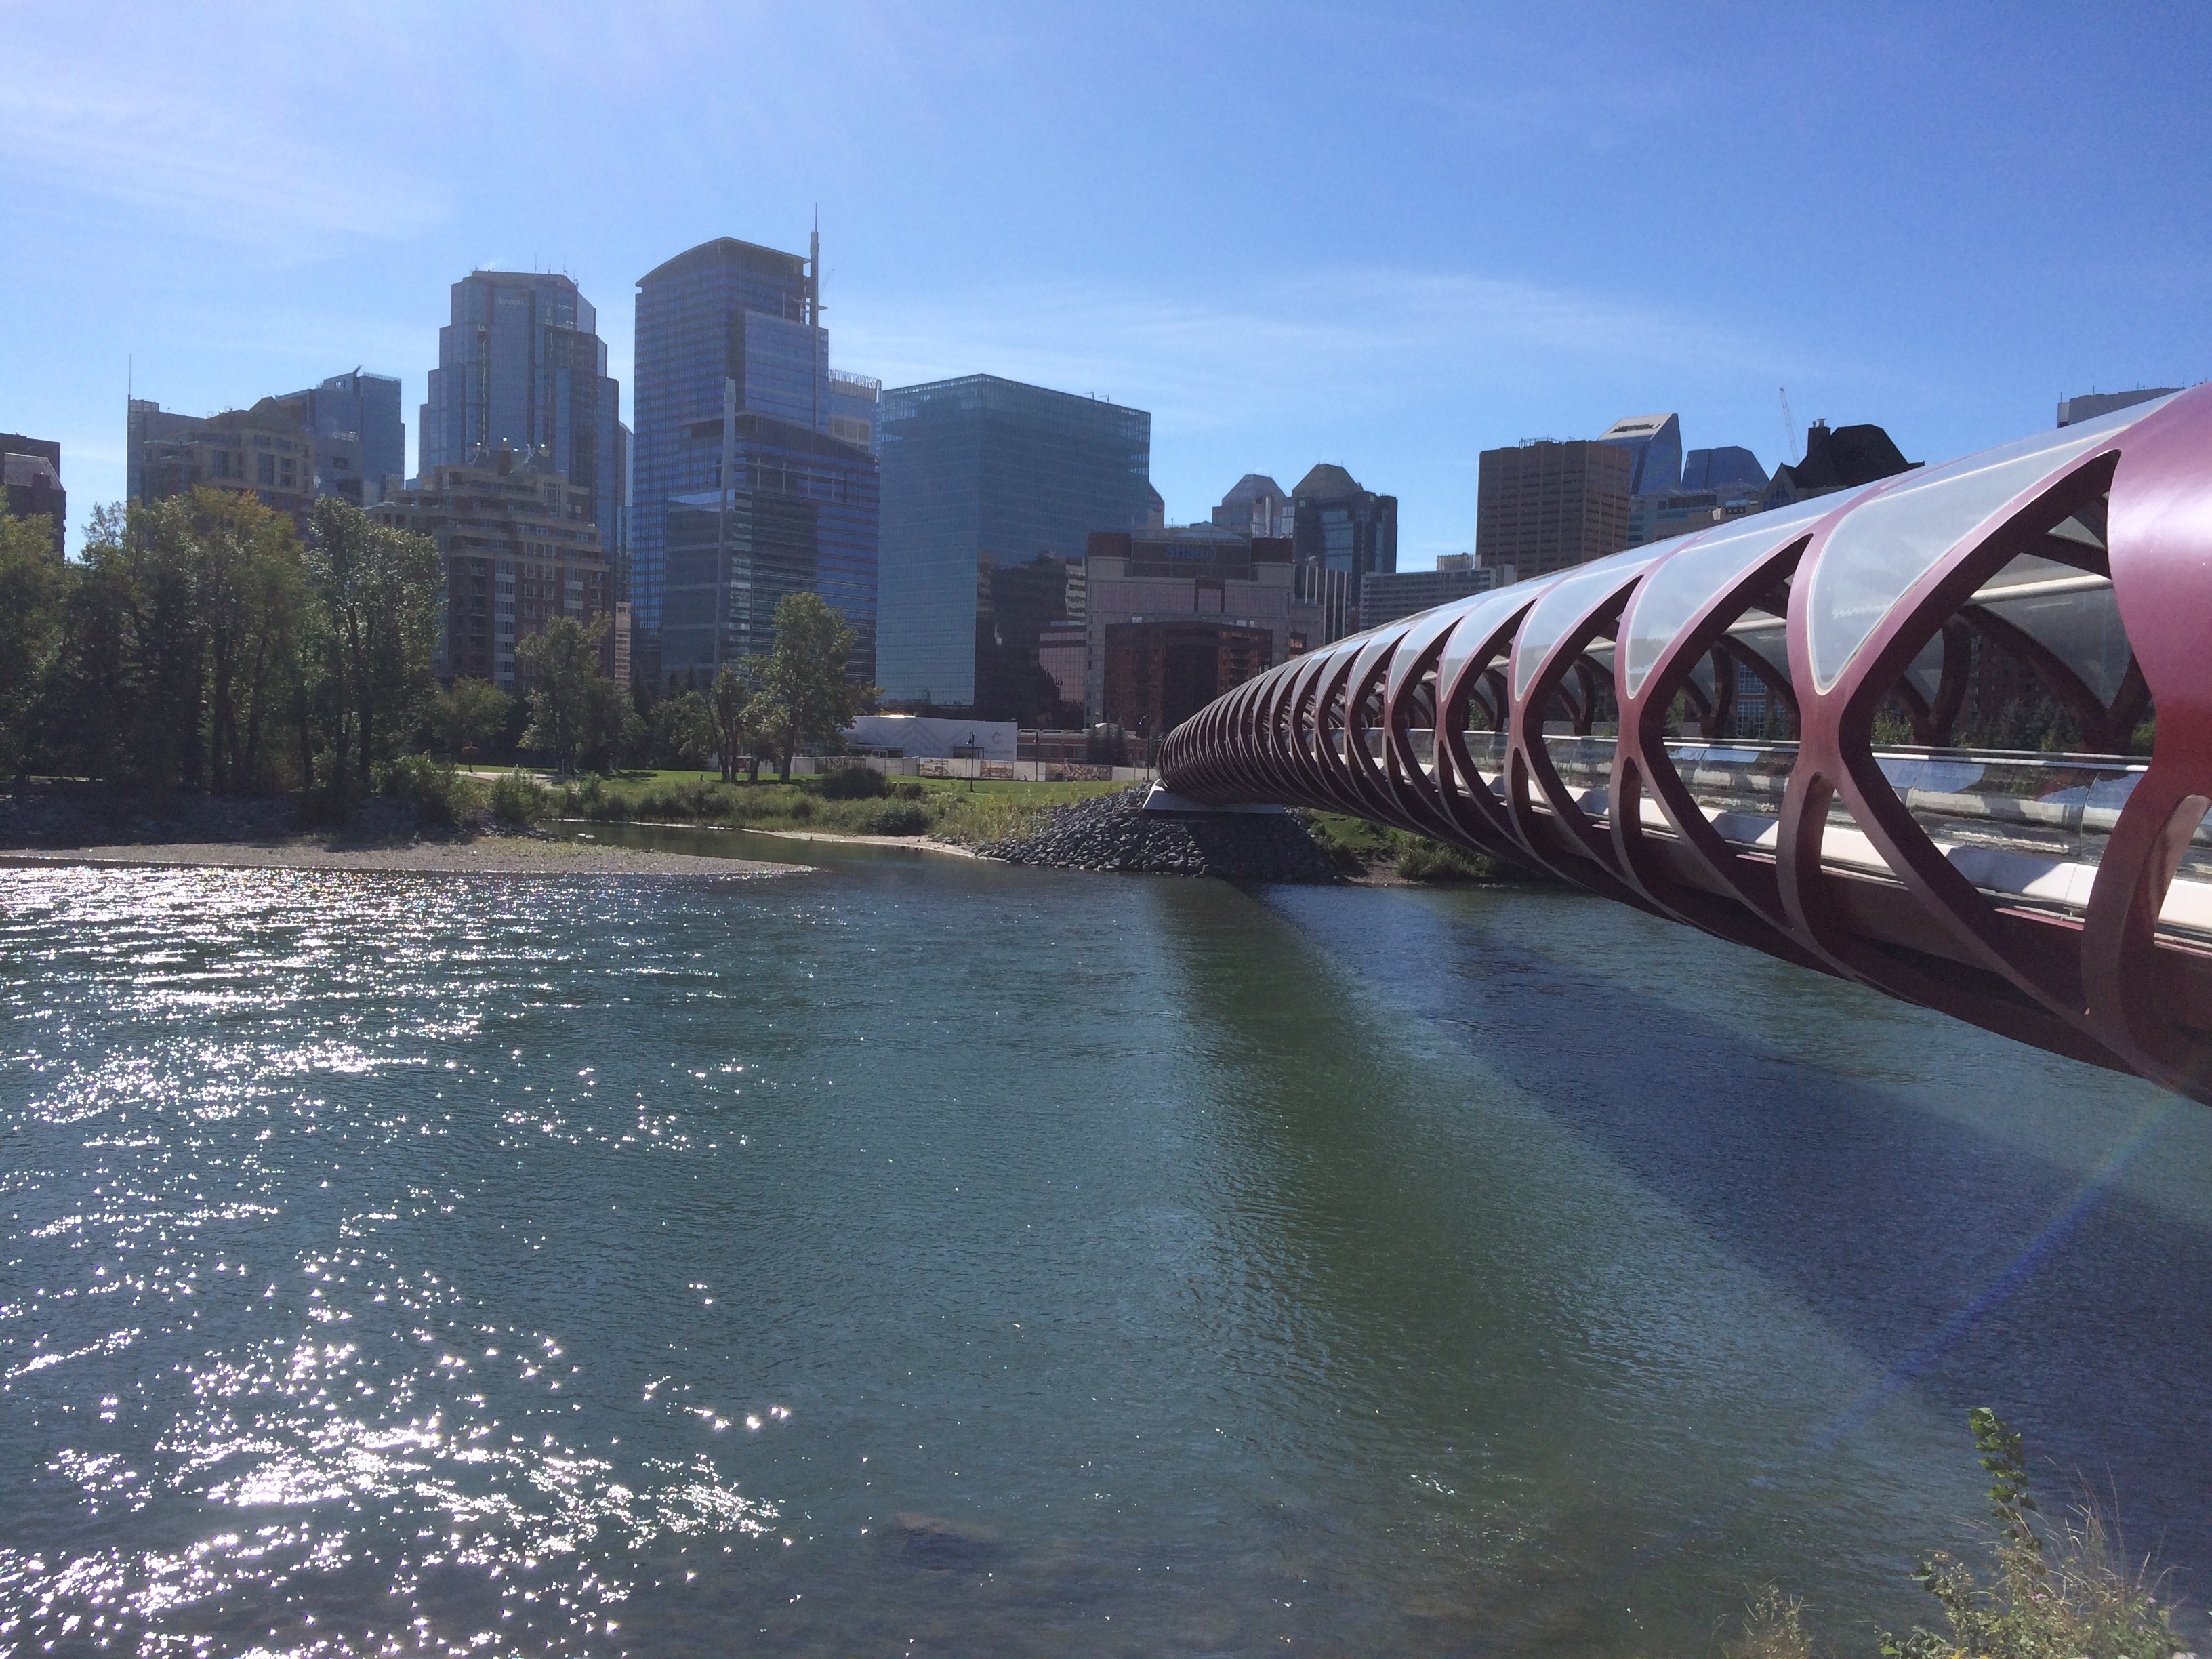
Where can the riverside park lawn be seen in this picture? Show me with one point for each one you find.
(942, 809)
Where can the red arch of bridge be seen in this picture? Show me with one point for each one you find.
(1845, 606)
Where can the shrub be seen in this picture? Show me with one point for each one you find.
(1424, 860)
(906, 789)
(852, 783)
(801, 809)
(2058, 1592)
(437, 789)
(893, 817)
(2051, 1598)
(516, 798)
(332, 792)
(1773, 1628)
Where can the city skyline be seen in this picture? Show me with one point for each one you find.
(1992, 176)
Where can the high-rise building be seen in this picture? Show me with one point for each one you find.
(1255, 505)
(1717, 484)
(1728, 468)
(519, 550)
(980, 475)
(522, 365)
(2090, 405)
(1175, 620)
(730, 322)
(1543, 506)
(32, 468)
(266, 450)
(1653, 443)
(1406, 593)
(366, 405)
(1339, 526)
(853, 409)
(800, 516)
(1842, 459)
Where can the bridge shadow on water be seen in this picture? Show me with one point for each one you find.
(1967, 1221)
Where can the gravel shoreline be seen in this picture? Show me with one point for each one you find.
(480, 855)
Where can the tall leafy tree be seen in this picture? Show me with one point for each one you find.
(566, 705)
(469, 714)
(33, 588)
(128, 698)
(93, 692)
(683, 730)
(251, 589)
(612, 727)
(804, 680)
(379, 591)
(734, 700)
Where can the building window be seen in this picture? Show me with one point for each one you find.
(267, 470)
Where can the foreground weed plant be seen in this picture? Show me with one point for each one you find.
(2057, 1591)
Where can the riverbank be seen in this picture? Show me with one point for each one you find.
(470, 855)
(1064, 826)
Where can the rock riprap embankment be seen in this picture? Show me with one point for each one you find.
(1114, 832)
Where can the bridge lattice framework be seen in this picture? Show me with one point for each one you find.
(2064, 901)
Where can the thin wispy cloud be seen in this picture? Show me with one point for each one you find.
(199, 157)
(1279, 372)
(1362, 338)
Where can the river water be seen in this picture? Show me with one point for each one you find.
(924, 1256)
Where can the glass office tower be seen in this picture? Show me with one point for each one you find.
(1340, 525)
(726, 310)
(366, 405)
(522, 365)
(799, 517)
(982, 474)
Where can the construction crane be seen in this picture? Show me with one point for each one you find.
(1788, 421)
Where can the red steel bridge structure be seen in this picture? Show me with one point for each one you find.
(1590, 726)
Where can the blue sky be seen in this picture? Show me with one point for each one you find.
(1386, 237)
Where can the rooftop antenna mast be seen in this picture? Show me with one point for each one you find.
(1788, 421)
(814, 312)
(814, 270)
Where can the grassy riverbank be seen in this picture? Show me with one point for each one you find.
(956, 811)
(1361, 849)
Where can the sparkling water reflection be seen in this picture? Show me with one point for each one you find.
(913, 1256)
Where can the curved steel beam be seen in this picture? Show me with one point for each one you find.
(2063, 900)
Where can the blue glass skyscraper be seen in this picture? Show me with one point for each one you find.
(982, 474)
(522, 365)
(366, 405)
(726, 311)
(800, 519)
(1653, 443)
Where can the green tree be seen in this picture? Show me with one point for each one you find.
(129, 700)
(93, 693)
(33, 590)
(734, 700)
(804, 680)
(563, 667)
(683, 730)
(638, 726)
(612, 727)
(469, 714)
(251, 587)
(380, 592)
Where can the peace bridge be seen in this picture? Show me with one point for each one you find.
(1587, 726)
